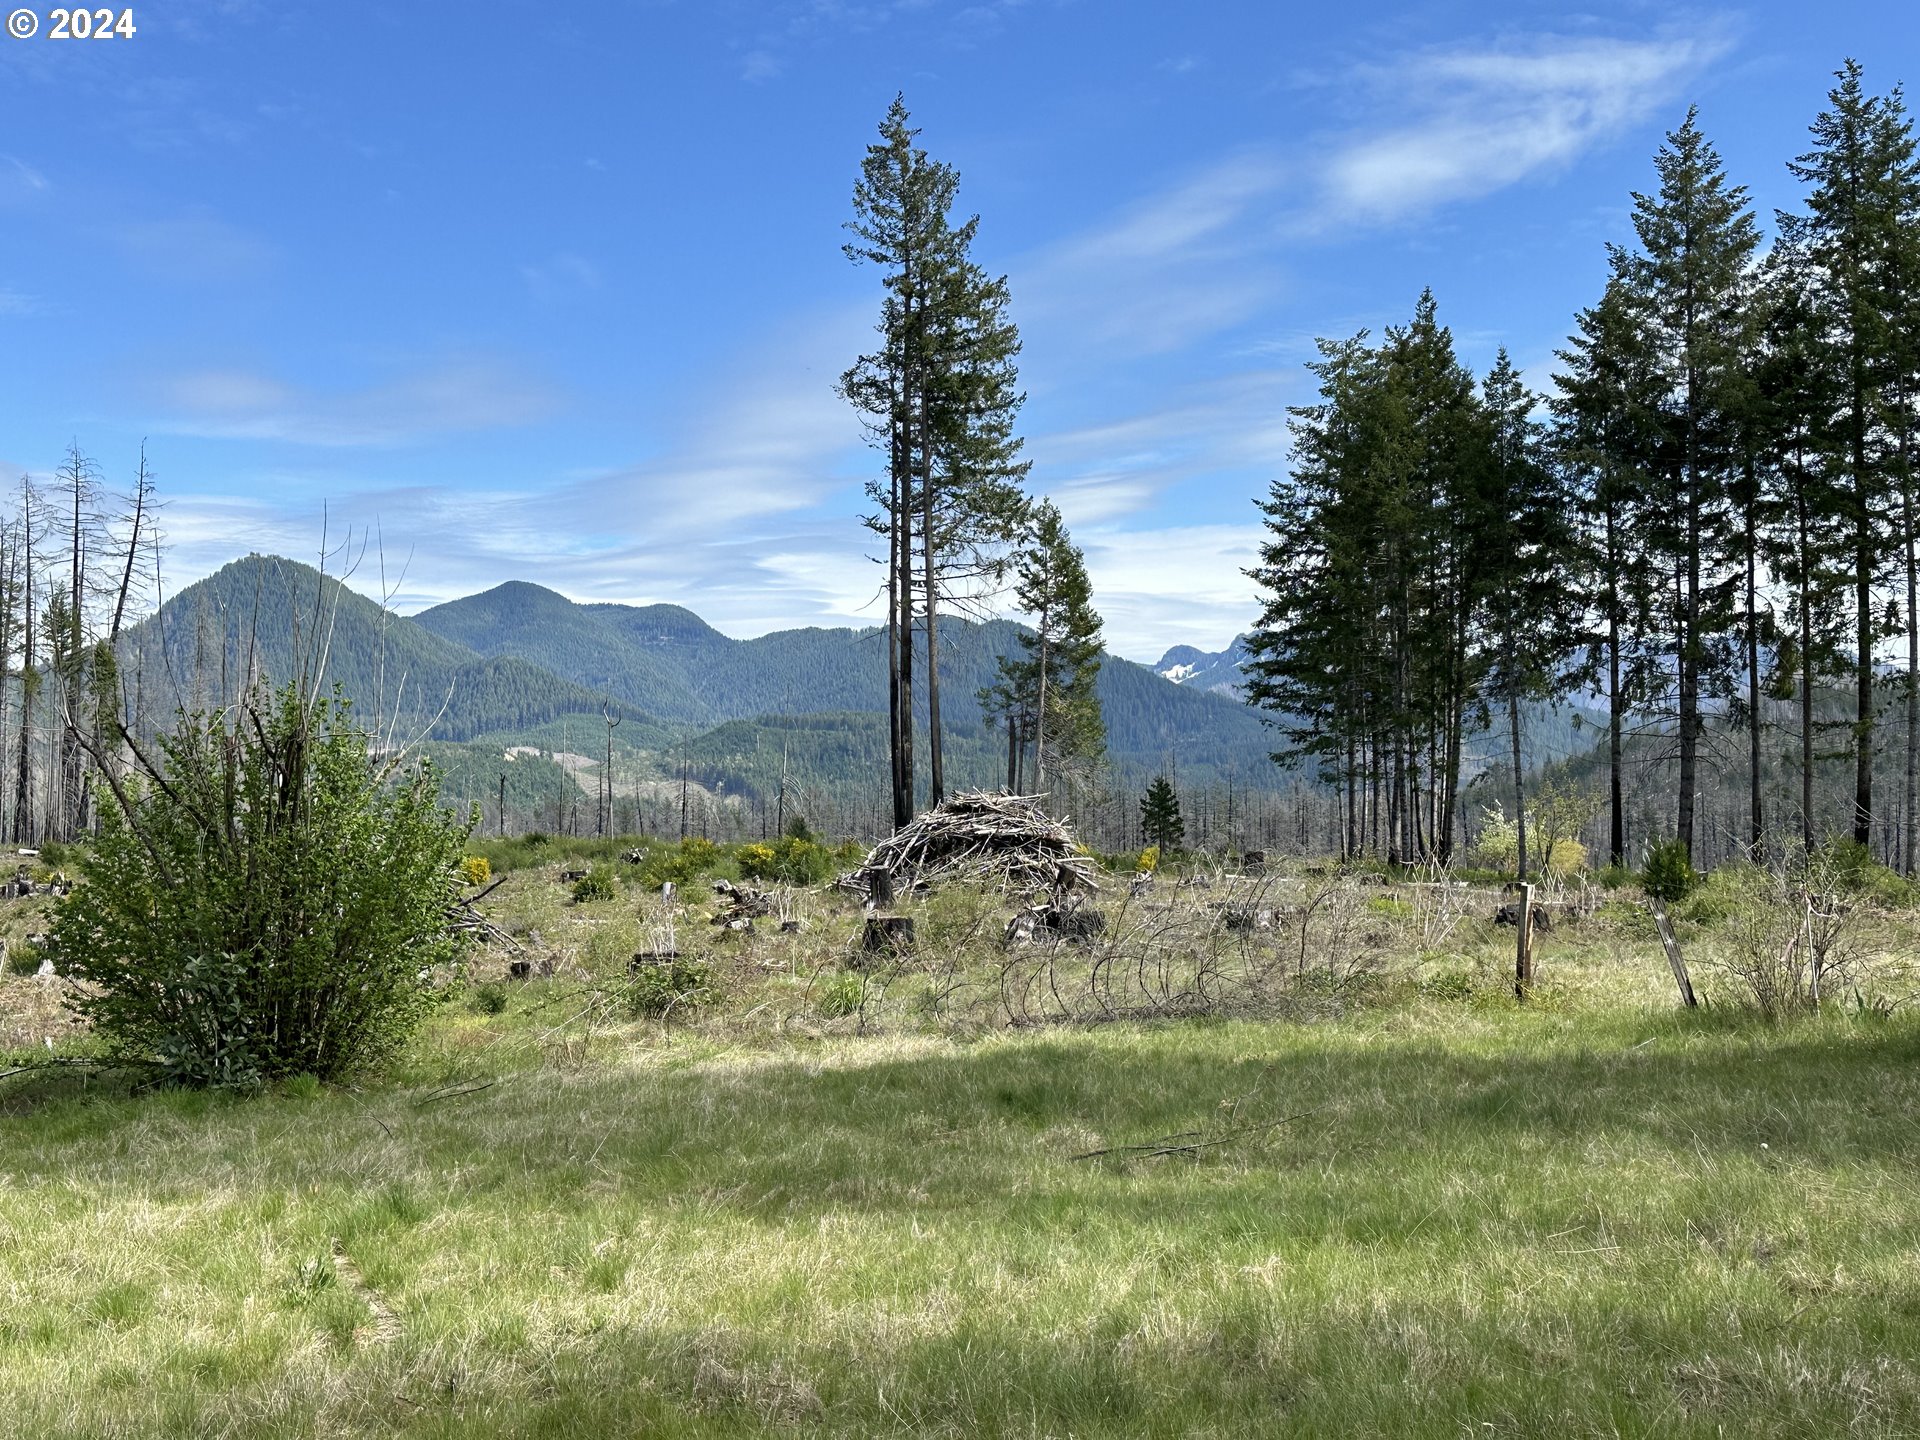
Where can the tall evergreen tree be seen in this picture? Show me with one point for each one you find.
(1604, 408)
(1531, 617)
(1861, 197)
(1047, 694)
(1374, 577)
(940, 397)
(1688, 278)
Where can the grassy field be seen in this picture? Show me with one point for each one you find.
(1433, 1213)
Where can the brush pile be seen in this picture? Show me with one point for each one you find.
(979, 838)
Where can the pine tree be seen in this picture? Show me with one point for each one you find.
(1160, 822)
(1373, 578)
(1688, 282)
(940, 397)
(1047, 694)
(1861, 200)
(1531, 611)
(1604, 410)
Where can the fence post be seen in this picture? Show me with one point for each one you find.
(1523, 946)
(1672, 947)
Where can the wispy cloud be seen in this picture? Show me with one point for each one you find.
(1470, 121)
(1176, 586)
(452, 398)
(1170, 269)
(19, 181)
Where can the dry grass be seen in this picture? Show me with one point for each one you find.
(1593, 1216)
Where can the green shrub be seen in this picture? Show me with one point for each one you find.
(792, 860)
(1390, 906)
(662, 986)
(599, 883)
(1614, 877)
(490, 999)
(1849, 867)
(1668, 874)
(270, 903)
(687, 861)
(755, 861)
(23, 959)
(476, 869)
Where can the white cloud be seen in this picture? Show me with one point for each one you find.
(455, 397)
(1177, 586)
(1472, 121)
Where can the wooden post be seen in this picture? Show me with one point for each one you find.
(1672, 947)
(1523, 946)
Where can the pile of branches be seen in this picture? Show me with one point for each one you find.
(740, 905)
(979, 838)
(465, 918)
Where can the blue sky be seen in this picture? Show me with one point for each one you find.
(554, 291)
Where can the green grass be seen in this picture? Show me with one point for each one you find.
(1584, 1219)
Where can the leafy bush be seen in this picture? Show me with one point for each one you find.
(476, 869)
(23, 959)
(1848, 866)
(677, 984)
(689, 860)
(1613, 877)
(490, 999)
(793, 860)
(1498, 848)
(1149, 860)
(265, 901)
(755, 861)
(599, 883)
(1668, 874)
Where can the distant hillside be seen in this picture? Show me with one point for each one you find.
(670, 663)
(277, 618)
(1202, 670)
(523, 666)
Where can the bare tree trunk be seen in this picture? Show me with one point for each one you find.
(29, 680)
(1756, 816)
(1908, 828)
(1519, 789)
(936, 770)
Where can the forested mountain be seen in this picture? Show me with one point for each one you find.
(709, 678)
(523, 666)
(278, 618)
(1207, 670)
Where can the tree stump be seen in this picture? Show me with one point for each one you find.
(887, 935)
(520, 969)
(879, 885)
